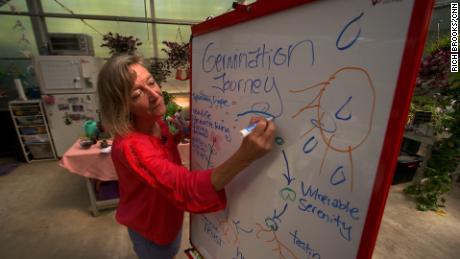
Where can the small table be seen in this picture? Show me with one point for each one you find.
(92, 164)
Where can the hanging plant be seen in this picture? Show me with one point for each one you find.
(177, 54)
(178, 58)
(120, 44)
(159, 70)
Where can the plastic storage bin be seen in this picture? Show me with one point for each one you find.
(29, 120)
(26, 110)
(39, 151)
(33, 130)
(36, 138)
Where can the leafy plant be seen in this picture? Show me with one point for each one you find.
(440, 89)
(439, 116)
(120, 44)
(159, 70)
(433, 73)
(167, 97)
(178, 54)
(172, 109)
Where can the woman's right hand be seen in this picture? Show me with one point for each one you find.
(255, 145)
(259, 142)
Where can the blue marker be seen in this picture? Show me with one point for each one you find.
(246, 131)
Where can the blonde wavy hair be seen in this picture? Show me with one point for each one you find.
(114, 84)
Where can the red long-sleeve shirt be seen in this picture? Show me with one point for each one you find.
(155, 189)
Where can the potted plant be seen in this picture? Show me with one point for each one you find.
(159, 70)
(120, 44)
(178, 58)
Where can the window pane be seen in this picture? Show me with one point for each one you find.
(134, 8)
(191, 10)
(139, 30)
(440, 24)
(20, 41)
(14, 6)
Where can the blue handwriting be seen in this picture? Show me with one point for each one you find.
(260, 56)
(238, 228)
(199, 147)
(202, 121)
(200, 131)
(277, 217)
(211, 230)
(335, 203)
(287, 175)
(309, 251)
(337, 114)
(344, 29)
(309, 149)
(254, 86)
(316, 124)
(343, 228)
(338, 176)
(239, 254)
(204, 114)
(213, 101)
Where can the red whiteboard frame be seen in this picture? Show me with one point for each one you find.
(411, 59)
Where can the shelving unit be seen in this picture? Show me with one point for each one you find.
(32, 130)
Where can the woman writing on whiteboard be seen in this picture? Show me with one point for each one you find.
(155, 189)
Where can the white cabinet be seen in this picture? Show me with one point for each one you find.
(32, 129)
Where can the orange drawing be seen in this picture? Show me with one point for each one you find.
(279, 247)
(228, 231)
(341, 132)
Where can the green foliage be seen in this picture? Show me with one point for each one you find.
(167, 98)
(171, 109)
(440, 116)
(442, 43)
(120, 44)
(445, 100)
(178, 54)
(159, 70)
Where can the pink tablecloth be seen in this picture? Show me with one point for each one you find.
(92, 163)
(89, 163)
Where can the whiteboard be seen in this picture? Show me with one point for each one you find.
(329, 72)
